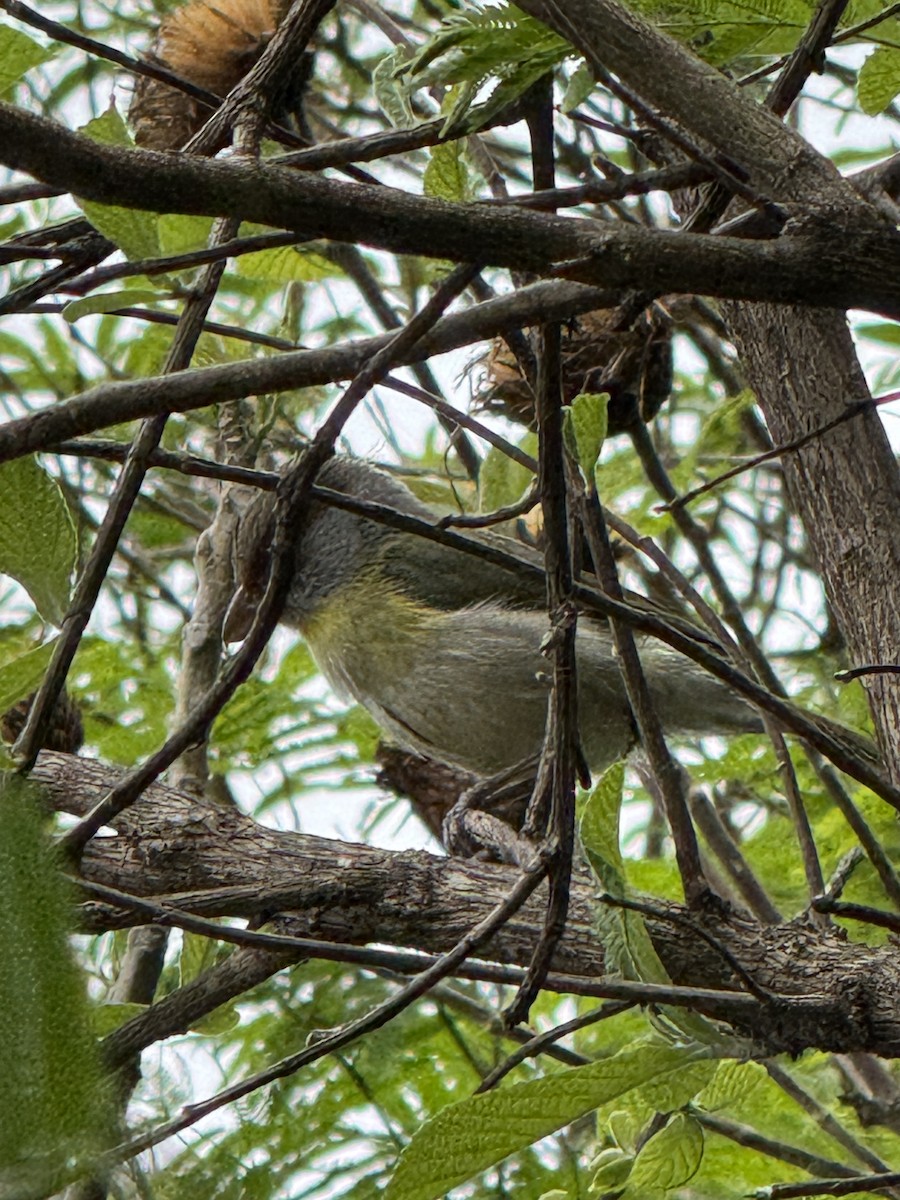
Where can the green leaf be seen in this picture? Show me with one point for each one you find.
(287, 264)
(37, 537)
(106, 1018)
(733, 1081)
(579, 87)
(668, 1160)
(180, 233)
(483, 45)
(392, 93)
(20, 676)
(109, 129)
(611, 1169)
(134, 231)
(627, 945)
(220, 1021)
(886, 332)
(197, 954)
(473, 1135)
(105, 302)
(599, 829)
(357, 726)
(586, 421)
(502, 481)
(879, 79)
(446, 175)
(18, 54)
(53, 1104)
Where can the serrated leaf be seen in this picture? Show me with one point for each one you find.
(52, 1100)
(109, 129)
(18, 54)
(37, 537)
(879, 79)
(627, 945)
(585, 423)
(472, 1136)
(446, 175)
(131, 229)
(105, 302)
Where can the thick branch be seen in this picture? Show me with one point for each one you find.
(855, 267)
(830, 994)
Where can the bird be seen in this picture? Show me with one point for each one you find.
(444, 649)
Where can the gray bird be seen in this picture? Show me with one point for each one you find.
(444, 649)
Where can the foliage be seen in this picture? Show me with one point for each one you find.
(397, 1109)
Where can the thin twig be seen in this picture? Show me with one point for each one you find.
(538, 1043)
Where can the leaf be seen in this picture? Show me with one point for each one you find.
(106, 1018)
(886, 332)
(287, 264)
(37, 537)
(446, 175)
(133, 230)
(356, 725)
(20, 676)
(197, 954)
(879, 79)
(53, 1104)
(611, 1169)
(599, 829)
(472, 1136)
(486, 43)
(179, 233)
(668, 1160)
(221, 1020)
(501, 481)
(732, 1081)
(585, 422)
(18, 54)
(392, 93)
(627, 944)
(105, 302)
(579, 87)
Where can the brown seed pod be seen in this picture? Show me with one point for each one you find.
(633, 365)
(210, 43)
(65, 731)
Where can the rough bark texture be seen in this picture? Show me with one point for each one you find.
(825, 992)
(845, 486)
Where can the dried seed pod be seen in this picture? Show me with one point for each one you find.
(210, 43)
(65, 731)
(633, 365)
